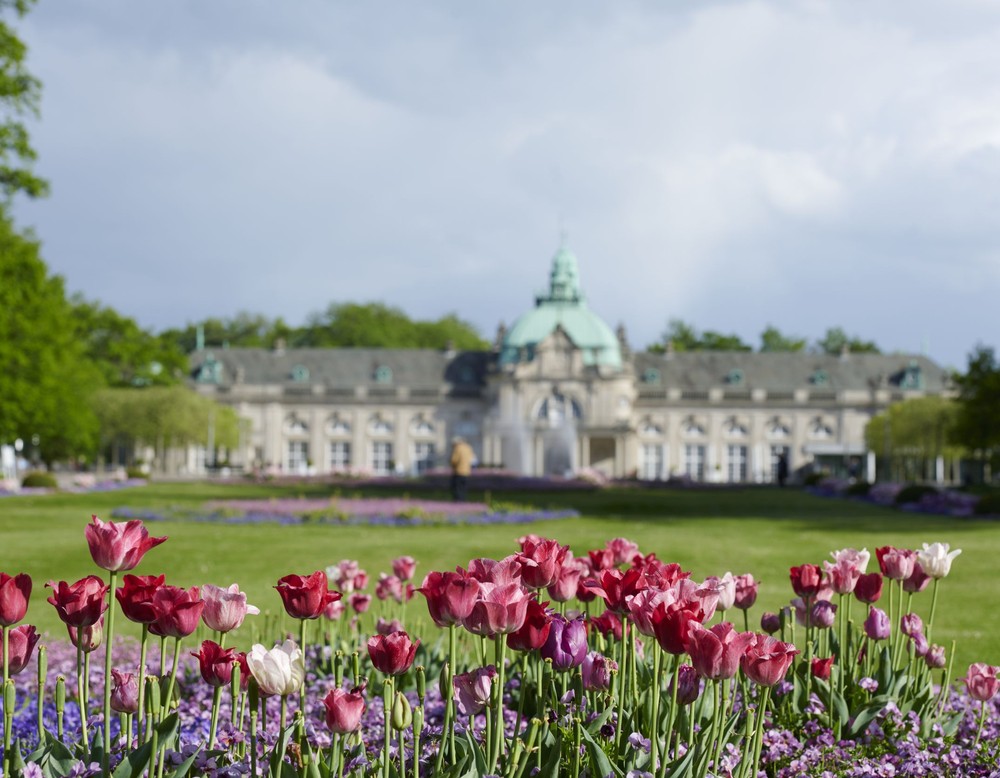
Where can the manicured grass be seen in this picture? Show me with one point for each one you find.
(758, 530)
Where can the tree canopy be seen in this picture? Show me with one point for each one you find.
(978, 422)
(835, 339)
(684, 337)
(771, 340)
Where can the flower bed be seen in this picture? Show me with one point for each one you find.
(945, 502)
(395, 512)
(634, 670)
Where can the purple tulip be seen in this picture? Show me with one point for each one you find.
(566, 644)
(877, 624)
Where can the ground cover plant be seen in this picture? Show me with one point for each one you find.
(893, 737)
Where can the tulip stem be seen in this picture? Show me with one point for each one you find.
(498, 735)
(302, 689)
(165, 706)
(6, 654)
(670, 716)
(140, 728)
(106, 756)
(81, 698)
(216, 700)
(979, 730)
(43, 666)
(930, 620)
(654, 724)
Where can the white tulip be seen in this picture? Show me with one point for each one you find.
(935, 559)
(280, 671)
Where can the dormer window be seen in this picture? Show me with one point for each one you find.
(382, 374)
(819, 378)
(734, 377)
(912, 377)
(300, 374)
(650, 376)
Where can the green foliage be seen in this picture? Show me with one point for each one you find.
(684, 337)
(39, 480)
(977, 425)
(136, 472)
(812, 479)
(126, 354)
(771, 340)
(376, 325)
(988, 505)
(913, 493)
(247, 330)
(923, 427)
(858, 489)
(835, 339)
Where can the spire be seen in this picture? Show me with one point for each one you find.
(564, 278)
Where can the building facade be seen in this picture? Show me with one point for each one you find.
(558, 393)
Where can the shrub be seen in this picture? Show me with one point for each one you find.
(988, 505)
(814, 478)
(858, 489)
(913, 493)
(39, 480)
(136, 472)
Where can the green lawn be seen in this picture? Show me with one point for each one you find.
(763, 531)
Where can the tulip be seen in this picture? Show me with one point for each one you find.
(725, 587)
(806, 580)
(404, 567)
(177, 611)
(344, 709)
(823, 614)
(623, 550)
(643, 605)
(616, 587)
(535, 630)
(124, 692)
(920, 645)
(305, 597)
(746, 591)
(334, 610)
(500, 609)
(767, 660)
(877, 625)
(843, 575)
(596, 670)
(853, 557)
(278, 672)
(935, 559)
(80, 604)
(567, 582)
(770, 622)
(450, 596)
(216, 663)
(601, 560)
(910, 624)
(389, 586)
(116, 547)
(225, 609)
(501, 572)
(820, 668)
(384, 627)
(716, 652)
(541, 562)
(896, 563)
(917, 580)
(935, 657)
(671, 626)
(566, 644)
(392, 654)
(15, 591)
(869, 587)
(135, 596)
(20, 643)
(359, 602)
(472, 689)
(982, 681)
(88, 638)
(608, 624)
(688, 685)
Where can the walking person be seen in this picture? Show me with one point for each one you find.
(461, 467)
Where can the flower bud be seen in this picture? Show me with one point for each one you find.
(60, 695)
(444, 681)
(421, 684)
(935, 657)
(402, 713)
(9, 699)
(877, 624)
(152, 693)
(770, 622)
(253, 694)
(234, 680)
(418, 719)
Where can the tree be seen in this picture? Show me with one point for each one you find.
(376, 325)
(684, 337)
(835, 339)
(978, 422)
(771, 340)
(126, 354)
(244, 330)
(912, 434)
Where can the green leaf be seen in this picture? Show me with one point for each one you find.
(681, 768)
(553, 758)
(134, 765)
(277, 757)
(478, 755)
(185, 766)
(599, 762)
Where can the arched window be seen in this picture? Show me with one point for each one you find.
(337, 425)
(421, 427)
(295, 426)
(777, 429)
(300, 373)
(382, 374)
(557, 409)
(692, 428)
(650, 428)
(734, 428)
(820, 429)
(379, 426)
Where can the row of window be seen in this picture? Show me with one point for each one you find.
(735, 467)
(381, 458)
(377, 425)
(818, 428)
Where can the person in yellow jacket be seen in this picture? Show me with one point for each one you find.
(461, 467)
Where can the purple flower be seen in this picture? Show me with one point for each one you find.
(566, 644)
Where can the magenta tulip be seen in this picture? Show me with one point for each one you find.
(20, 643)
(716, 652)
(450, 596)
(115, 547)
(392, 654)
(344, 709)
(15, 591)
(982, 681)
(305, 597)
(124, 692)
(80, 604)
(767, 660)
(746, 591)
(215, 663)
(135, 596)
(177, 611)
(472, 689)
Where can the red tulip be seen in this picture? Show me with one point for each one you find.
(807, 580)
(80, 604)
(535, 630)
(216, 663)
(671, 626)
(177, 611)
(767, 660)
(499, 609)
(820, 668)
(344, 709)
(716, 652)
(392, 654)
(608, 624)
(616, 587)
(87, 638)
(450, 596)
(124, 692)
(541, 562)
(359, 602)
(305, 597)
(20, 643)
(119, 546)
(135, 595)
(642, 606)
(14, 595)
(869, 587)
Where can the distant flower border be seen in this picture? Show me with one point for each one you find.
(941, 502)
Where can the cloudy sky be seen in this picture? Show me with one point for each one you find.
(733, 164)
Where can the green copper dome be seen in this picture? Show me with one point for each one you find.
(564, 307)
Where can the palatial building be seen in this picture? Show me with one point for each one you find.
(559, 392)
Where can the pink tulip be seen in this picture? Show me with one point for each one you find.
(384, 627)
(716, 652)
(177, 611)
(404, 567)
(344, 709)
(910, 624)
(504, 571)
(80, 604)
(896, 563)
(982, 681)
(389, 586)
(917, 581)
(20, 643)
(450, 596)
(623, 550)
(843, 575)
(566, 584)
(115, 547)
(724, 588)
(746, 591)
(360, 602)
(935, 657)
(541, 562)
(596, 670)
(124, 692)
(15, 591)
(767, 660)
(334, 610)
(225, 609)
(472, 690)
(499, 609)
(87, 638)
